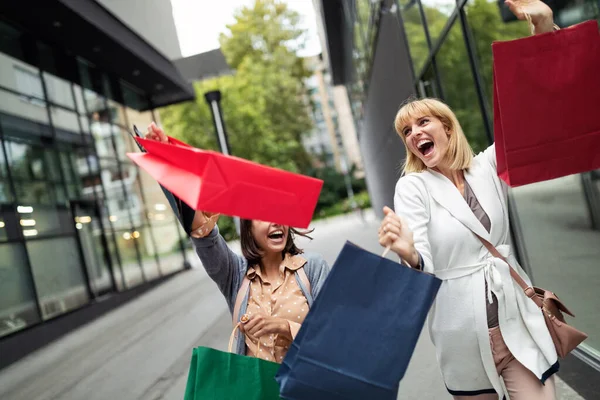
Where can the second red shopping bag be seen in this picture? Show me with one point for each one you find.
(546, 97)
(211, 181)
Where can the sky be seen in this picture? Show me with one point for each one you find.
(199, 23)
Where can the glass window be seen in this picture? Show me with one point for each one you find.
(415, 33)
(133, 97)
(568, 238)
(437, 13)
(95, 254)
(59, 279)
(59, 91)
(29, 192)
(66, 120)
(116, 112)
(10, 40)
(139, 119)
(428, 86)
(23, 106)
(29, 83)
(459, 87)
(486, 25)
(38, 220)
(102, 133)
(145, 243)
(17, 297)
(126, 243)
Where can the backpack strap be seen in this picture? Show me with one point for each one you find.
(246, 283)
(304, 279)
(239, 298)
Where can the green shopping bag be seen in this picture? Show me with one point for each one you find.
(217, 375)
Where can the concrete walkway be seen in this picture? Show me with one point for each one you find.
(142, 350)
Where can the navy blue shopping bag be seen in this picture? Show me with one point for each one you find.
(358, 338)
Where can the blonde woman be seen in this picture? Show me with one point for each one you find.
(483, 326)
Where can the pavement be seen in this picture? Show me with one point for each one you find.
(142, 349)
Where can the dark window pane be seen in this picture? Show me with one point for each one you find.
(35, 192)
(459, 87)
(59, 279)
(52, 164)
(17, 298)
(10, 40)
(37, 220)
(2, 161)
(133, 97)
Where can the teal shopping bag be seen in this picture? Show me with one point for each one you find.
(219, 375)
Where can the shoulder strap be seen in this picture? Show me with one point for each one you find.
(304, 279)
(529, 291)
(239, 298)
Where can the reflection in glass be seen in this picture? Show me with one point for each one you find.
(415, 33)
(126, 243)
(88, 229)
(23, 106)
(437, 13)
(59, 280)
(486, 26)
(59, 90)
(459, 88)
(562, 246)
(17, 298)
(64, 119)
(147, 251)
(428, 86)
(40, 192)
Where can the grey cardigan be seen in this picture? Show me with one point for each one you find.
(228, 269)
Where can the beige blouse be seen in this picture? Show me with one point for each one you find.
(282, 299)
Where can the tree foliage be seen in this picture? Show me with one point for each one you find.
(263, 107)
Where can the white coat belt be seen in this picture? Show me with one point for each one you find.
(497, 275)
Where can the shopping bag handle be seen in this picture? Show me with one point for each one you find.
(532, 27)
(232, 337)
(386, 251)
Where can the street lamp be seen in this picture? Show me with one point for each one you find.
(213, 98)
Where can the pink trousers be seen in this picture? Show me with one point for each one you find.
(520, 382)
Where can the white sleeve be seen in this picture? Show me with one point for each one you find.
(490, 156)
(411, 203)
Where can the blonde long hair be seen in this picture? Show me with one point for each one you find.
(460, 153)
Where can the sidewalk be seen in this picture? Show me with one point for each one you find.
(142, 350)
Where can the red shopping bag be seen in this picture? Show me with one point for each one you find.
(214, 182)
(546, 100)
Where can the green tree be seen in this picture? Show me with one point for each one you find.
(263, 102)
(263, 106)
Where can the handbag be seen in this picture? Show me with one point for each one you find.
(218, 375)
(565, 337)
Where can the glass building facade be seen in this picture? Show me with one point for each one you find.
(78, 221)
(442, 48)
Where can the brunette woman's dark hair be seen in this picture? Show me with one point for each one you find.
(252, 252)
